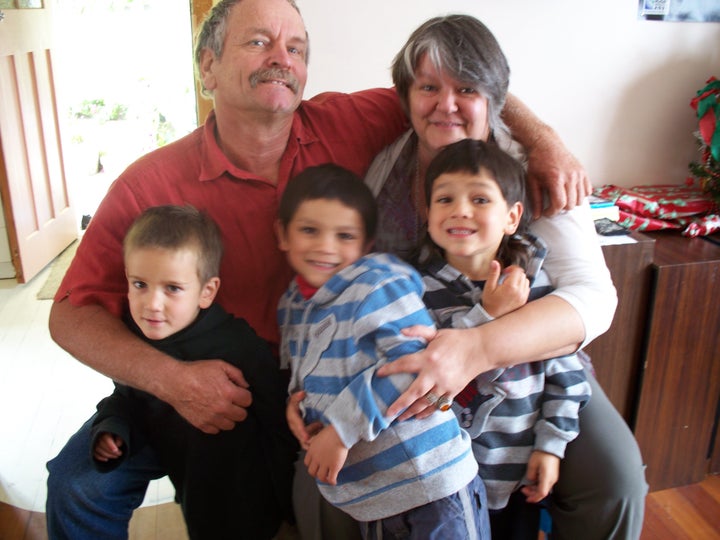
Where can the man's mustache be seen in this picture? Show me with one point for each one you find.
(275, 74)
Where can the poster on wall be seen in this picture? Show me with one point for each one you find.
(679, 10)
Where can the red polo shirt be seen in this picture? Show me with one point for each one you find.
(347, 129)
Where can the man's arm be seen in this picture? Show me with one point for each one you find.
(555, 176)
(212, 395)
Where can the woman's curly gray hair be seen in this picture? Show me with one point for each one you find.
(465, 49)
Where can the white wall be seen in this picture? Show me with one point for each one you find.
(616, 88)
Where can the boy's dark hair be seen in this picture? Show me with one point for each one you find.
(471, 156)
(174, 227)
(330, 182)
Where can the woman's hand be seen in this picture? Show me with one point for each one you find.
(296, 423)
(444, 368)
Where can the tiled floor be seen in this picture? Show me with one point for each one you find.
(45, 395)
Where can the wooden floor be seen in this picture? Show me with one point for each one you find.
(45, 396)
(689, 512)
(161, 522)
(685, 513)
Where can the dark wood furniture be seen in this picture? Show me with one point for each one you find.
(617, 354)
(659, 362)
(680, 387)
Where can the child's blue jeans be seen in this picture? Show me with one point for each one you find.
(85, 503)
(461, 516)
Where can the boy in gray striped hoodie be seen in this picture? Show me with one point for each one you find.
(340, 320)
(479, 263)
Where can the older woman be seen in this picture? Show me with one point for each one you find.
(452, 79)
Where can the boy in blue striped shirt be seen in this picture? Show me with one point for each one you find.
(340, 320)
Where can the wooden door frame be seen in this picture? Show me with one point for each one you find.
(198, 10)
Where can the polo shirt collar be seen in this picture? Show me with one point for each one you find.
(215, 164)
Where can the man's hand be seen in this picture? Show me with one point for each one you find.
(555, 177)
(543, 471)
(210, 394)
(326, 455)
(443, 368)
(296, 423)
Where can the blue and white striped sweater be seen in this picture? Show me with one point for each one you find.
(508, 412)
(334, 342)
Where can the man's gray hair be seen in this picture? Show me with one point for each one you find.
(212, 32)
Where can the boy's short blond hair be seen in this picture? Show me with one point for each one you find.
(174, 227)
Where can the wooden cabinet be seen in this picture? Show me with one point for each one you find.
(680, 386)
(617, 354)
(659, 362)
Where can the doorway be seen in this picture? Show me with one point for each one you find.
(124, 75)
(94, 85)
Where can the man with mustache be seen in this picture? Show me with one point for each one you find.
(251, 58)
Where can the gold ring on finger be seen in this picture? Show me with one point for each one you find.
(444, 403)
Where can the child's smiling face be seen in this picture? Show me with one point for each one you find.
(469, 216)
(323, 237)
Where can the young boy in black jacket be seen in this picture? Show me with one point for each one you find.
(233, 484)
